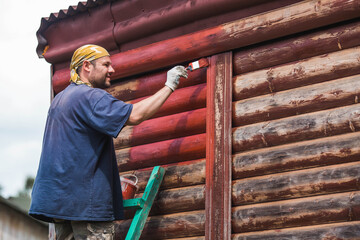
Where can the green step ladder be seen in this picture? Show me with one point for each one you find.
(144, 204)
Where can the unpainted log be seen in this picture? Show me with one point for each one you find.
(334, 231)
(163, 128)
(177, 175)
(179, 200)
(295, 213)
(304, 183)
(165, 152)
(175, 200)
(189, 238)
(243, 32)
(336, 93)
(147, 85)
(305, 72)
(176, 225)
(319, 152)
(298, 128)
(307, 45)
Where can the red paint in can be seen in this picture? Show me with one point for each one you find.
(128, 186)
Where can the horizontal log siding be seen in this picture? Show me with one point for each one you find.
(163, 128)
(136, 88)
(299, 128)
(299, 155)
(258, 28)
(176, 175)
(297, 184)
(340, 207)
(296, 122)
(295, 74)
(337, 93)
(177, 225)
(317, 42)
(343, 231)
(175, 139)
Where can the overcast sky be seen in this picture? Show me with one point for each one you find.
(24, 89)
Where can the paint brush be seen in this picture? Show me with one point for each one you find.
(203, 62)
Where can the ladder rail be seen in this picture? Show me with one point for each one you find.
(144, 204)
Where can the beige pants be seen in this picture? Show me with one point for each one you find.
(79, 230)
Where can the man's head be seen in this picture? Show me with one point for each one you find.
(91, 64)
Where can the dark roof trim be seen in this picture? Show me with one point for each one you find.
(62, 14)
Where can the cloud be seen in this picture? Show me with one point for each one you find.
(24, 91)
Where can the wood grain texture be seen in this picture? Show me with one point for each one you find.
(334, 231)
(316, 97)
(176, 225)
(218, 147)
(182, 100)
(243, 32)
(162, 128)
(177, 175)
(295, 213)
(143, 86)
(299, 155)
(295, 74)
(295, 48)
(159, 153)
(297, 184)
(299, 128)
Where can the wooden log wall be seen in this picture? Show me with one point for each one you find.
(295, 142)
(295, 137)
(174, 138)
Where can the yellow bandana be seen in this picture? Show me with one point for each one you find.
(86, 52)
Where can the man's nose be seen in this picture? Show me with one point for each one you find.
(111, 69)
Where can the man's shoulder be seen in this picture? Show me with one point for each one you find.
(84, 91)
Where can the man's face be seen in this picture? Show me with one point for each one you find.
(100, 72)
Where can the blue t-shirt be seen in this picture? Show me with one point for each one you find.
(78, 178)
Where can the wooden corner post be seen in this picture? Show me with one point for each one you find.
(218, 148)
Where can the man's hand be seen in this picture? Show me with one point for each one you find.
(173, 76)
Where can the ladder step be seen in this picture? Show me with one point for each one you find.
(135, 203)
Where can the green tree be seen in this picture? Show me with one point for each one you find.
(23, 199)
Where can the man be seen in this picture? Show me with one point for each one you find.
(77, 185)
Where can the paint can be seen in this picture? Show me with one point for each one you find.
(128, 186)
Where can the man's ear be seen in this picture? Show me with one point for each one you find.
(86, 66)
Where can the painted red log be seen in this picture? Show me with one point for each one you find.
(305, 72)
(269, 25)
(168, 226)
(147, 85)
(165, 152)
(203, 23)
(218, 147)
(299, 155)
(158, 19)
(129, 21)
(163, 128)
(294, 129)
(182, 100)
(323, 41)
(304, 183)
(337, 93)
(258, 28)
(176, 175)
(343, 231)
(295, 213)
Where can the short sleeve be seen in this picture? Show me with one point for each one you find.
(109, 115)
